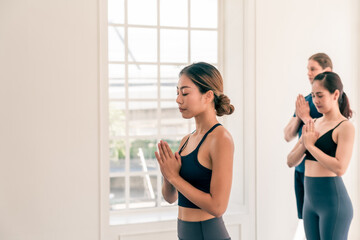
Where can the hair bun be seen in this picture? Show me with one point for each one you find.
(223, 106)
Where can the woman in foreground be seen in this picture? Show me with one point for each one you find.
(199, 175)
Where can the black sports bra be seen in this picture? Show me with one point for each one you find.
(194, 173)
(325, 143)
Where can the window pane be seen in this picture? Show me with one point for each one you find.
(143, 81)
(204, 17)
(116, 11)
(117, 156)
(172, 122)
(143, 118)
(142, 45)
(117, 119)
(204, 46)
(138, 113)
(117, 193)
(116, 81)
(116, 44)
(174, 13)
(143, 191)
(142, 12)
(174, 143)
(142, 155)
(174, 45)
(169, 77)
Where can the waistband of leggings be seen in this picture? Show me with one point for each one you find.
(331, 177)
(323, 180)
(205, 221)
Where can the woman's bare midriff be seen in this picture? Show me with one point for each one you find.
(315, 169)
(193, 214)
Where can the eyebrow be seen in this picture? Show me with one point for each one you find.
(182, 87)
(316, 92)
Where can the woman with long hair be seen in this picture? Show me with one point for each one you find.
(326, 145)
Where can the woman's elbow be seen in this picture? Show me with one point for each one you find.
(219, 210)
(169, 197)
(340, 172)
(170, 200)
(340, 169)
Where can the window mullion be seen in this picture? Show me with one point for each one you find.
(158, 179)
(189, 46)
(127, 112)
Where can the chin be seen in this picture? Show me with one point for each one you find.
(186, 116)
(320, 110)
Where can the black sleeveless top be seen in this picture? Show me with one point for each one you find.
(325, 143)
(194, 173)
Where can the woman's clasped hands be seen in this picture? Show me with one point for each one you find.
(169, 163)
(309, 134)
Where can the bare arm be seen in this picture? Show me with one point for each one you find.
(215, 202)
(340, 162)
(291, 128)
(296, 156)
(169, 192)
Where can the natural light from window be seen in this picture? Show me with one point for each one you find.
(149, 42)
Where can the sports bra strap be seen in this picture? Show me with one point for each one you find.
(339, 123)
(203, 139)
(182, 147)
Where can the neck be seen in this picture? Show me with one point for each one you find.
(205, 121)
(333, 115)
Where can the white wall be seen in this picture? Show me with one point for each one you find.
(49, 109)
(49, 146)
(287, 33)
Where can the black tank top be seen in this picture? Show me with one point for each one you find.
(325, 143)
(194, 173)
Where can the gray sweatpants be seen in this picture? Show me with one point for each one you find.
(327, 209)
(212, 229)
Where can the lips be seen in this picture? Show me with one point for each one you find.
(181, 109)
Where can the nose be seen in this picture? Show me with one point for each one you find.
(315, 100)
(179, 99)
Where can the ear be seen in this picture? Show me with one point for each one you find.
(336, 94)
(327, 69)
(209, 95)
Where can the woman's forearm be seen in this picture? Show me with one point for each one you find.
(169, 192)
(331, 163)
(215, 205)
(291, 129)
(296, 156)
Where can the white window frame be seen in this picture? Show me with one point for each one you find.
(126, 100)
(125, 217)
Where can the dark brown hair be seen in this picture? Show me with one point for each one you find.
(323, 59)
(331, 81)
(207, 78)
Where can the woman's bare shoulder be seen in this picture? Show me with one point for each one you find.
(183, 140)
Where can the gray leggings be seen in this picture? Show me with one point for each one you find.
(327, 209)
(212, 229)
